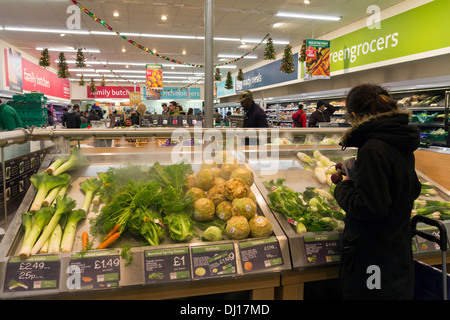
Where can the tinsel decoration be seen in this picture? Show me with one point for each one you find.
(92, 87)
(103, 82)
(229, 81)
(63, 68)
(269, 53)
(79, 62)
(82, 82)
(287, 63)
(217, 75)
(44, 61)
(303, 52)
(240, 75)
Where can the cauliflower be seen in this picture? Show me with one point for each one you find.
(244, 207)
(204, 210)
(238, 228)
(260, 226)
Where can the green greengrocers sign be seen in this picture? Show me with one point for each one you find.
(414, 32)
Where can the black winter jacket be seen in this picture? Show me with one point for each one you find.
(378, 204)
(255, 117)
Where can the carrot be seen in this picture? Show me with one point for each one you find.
(114, 230)
(85, 240)
(108, 241)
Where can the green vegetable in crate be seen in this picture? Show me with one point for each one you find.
(260, 226)
(212, 233)
(44, 182)
(75, 161)
(70, 229)
(90, 187)
(51, 196)
(305, 158)
(54, 241)
(147, 222)
(55, 165)
(180, 226)
(64, 205)
(33, 224)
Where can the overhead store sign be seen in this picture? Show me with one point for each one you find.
(220, 90)
(112, 92)
(23, 75)
(317, 63)
(415, 34)
(267, 75)
(174, 94)
(154, 76)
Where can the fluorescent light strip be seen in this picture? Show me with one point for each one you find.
(307, 16)
(233, 56)
(66, 31)
(67, 49)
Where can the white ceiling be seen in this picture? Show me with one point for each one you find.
(237, 19)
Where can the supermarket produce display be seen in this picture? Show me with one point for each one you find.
(118, 211)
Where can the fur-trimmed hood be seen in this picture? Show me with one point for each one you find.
(391, 127)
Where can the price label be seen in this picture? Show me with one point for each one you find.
(97, 269)
(423, 245)
(38, 272)
(260, 254)
(213, 260)
(322, 249)
(164, 265)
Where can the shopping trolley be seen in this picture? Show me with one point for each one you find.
(430, 282)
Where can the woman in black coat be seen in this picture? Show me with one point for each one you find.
(377, 259)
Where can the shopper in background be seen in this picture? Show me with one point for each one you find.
(180, 109)
(112, 120)
(9, 118)
(140, 110)
(50, 120)
(83, 117)
(173, 110)
(378, 199)
(299, 118)
(322, 114)
(254, 115)
(73, 117)
(165, 109)
(64, 117)
(93, 116)
(238, 111)
(190, 112)
(217, 116)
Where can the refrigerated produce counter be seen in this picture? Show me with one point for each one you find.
(293, 163)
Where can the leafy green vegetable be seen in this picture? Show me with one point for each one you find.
(147, 222)
(64, 204)
(90, 187)
(33, 225)
(180, 226)
(44, 183)
(70, 229)
(76, 160)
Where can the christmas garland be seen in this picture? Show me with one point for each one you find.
(133, 83)
(134, 43)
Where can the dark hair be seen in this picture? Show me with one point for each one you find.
(164, 105)
(300, 106)
(320, 103)
(173, 103)
(75, 106)
(369, 99)
(190, 111)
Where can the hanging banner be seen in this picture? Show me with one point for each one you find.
(154, 76)
(135, 97)
(317, 64)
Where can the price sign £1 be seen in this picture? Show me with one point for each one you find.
(95, 269)
(40, 272)
(164, 265)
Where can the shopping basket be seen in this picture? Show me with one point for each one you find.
(430, 282)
